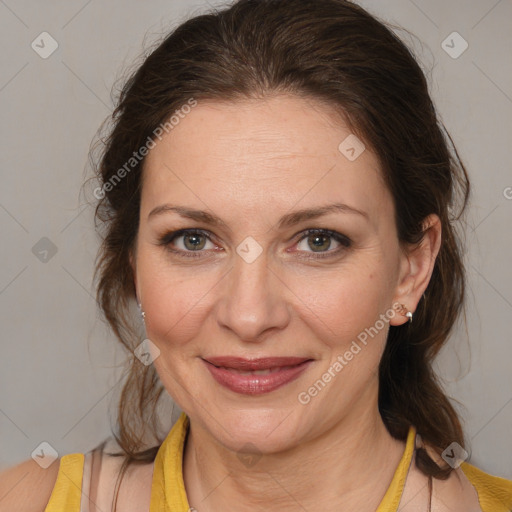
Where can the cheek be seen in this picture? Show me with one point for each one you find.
(175, 312)
(344, 305)
(175, 299)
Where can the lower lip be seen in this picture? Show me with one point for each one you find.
(255, 384)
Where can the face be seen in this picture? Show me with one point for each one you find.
(256, 283)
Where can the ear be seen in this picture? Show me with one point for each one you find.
(416, 267)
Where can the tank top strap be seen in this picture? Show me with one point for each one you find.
(86, 482)
(494, 493)
(168, 492)
(67, 491)
(392, 498)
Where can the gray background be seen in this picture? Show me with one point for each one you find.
(60, 369)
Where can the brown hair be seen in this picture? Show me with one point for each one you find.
(335, 52)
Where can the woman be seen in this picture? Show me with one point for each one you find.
(277, 194)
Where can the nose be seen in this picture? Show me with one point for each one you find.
(254, 300)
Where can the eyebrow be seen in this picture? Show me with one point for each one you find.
(287, 220)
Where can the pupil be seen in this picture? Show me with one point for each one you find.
(316, 238)
(197, 242)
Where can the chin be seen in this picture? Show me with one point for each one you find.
(267, 430)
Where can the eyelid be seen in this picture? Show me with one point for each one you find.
(168, 237)
(344, 241)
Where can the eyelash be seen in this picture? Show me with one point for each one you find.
(168, 238)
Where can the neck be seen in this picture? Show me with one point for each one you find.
(348, 467)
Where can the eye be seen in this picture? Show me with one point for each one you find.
(193, 242)
(320, 239)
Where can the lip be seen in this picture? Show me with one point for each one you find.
(280, 371)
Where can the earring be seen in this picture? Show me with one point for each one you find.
(142, 313)
(405, 312)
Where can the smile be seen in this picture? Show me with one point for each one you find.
(255, 377)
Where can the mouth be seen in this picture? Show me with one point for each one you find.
(255, 376)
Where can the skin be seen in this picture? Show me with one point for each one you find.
(250, 163)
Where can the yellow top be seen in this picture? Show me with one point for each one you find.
(168, 489)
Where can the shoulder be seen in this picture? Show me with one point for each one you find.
(455, 494)
(27, 487)
(466, 489)
(103, 476)
(495, 493)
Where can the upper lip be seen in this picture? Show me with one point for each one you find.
(263, 363)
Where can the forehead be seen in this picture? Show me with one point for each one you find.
(262, 155)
